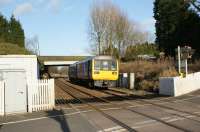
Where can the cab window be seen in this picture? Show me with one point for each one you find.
(105, 65)
(113, 65)
(97, 65)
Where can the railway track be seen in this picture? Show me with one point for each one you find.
(159, 104)
(141, 100)
(82, 97)
(186, 115)
(83, 90)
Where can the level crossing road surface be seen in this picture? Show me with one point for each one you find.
(166, 114)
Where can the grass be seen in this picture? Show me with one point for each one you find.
(7, 48)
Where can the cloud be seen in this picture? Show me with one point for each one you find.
(23, 9)
(4, 2)
(54, 5)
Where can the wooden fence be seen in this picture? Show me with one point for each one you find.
(2, 88)
(43, 98)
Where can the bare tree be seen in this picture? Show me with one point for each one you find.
(123, 30)
(111, 29)
(32, 44)
(97, 26)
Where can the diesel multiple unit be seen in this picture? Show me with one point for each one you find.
(96, 71)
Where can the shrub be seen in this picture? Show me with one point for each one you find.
(147, 73)
(194, 66)
(141, 49)
(171, 72)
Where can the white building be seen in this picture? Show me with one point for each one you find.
(19, 72)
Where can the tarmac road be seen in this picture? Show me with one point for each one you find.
(173, 114)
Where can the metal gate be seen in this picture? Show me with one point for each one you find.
(15, 92)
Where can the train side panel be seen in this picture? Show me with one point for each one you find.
(72, 72)
(84, 70)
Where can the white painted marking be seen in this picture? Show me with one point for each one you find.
(112, 128)
(141, 126)
(145, 122)
(183, 114)
(45, 117)
(168, 117)
(175, 119)
(120, 130)
(111, 109)
(197, 112)
(190, 116)
(132, 106)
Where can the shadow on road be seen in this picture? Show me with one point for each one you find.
(58, 115)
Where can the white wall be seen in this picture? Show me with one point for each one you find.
(176, 86)
(28, 63)
(2, 97)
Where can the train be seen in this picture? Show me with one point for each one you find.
(97, 71)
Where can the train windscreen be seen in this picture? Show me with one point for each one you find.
(105, 65)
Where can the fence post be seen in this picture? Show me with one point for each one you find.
(53, 93)
(2, 97)
(131, 80)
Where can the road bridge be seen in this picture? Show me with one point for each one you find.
(54, 66)
(59, 63)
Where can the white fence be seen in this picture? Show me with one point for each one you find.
(2, 88)
(43, 98)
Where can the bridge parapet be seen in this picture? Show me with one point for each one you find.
(59, 63)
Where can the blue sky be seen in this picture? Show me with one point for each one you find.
(61, 25)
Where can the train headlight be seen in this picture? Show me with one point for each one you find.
(96, 72)
(114, 73)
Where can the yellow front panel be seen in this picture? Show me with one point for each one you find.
(104, 75)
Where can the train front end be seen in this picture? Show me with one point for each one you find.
(105, 70)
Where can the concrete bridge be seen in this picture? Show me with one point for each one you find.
(60, 60)
(52, 64)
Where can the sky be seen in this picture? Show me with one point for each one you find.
(62, 25)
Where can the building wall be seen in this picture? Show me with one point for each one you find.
(28, 63)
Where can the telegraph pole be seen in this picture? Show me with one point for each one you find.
(99, 42)
(179, 59)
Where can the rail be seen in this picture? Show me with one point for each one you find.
(74, 94)
(122, 107)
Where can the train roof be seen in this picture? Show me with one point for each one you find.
(102, 57)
